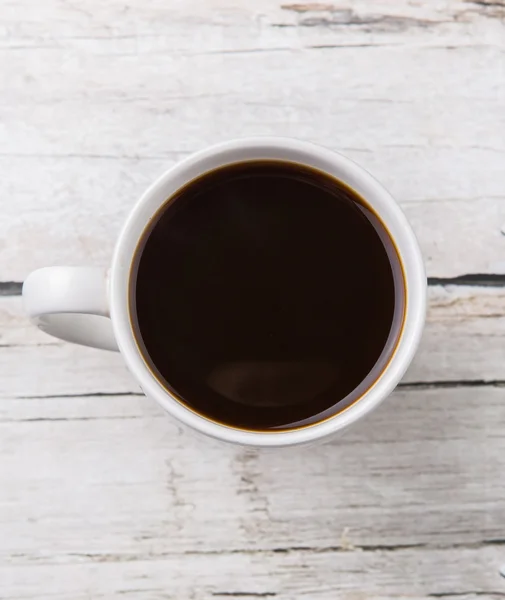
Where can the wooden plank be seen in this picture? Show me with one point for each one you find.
(59, 21)
(464, 341)
(95, 492)
(415, 93)
(403, 575)
(76, 220)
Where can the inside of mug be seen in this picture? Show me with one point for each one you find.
(264, 382)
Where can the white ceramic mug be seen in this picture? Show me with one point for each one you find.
(91, 305)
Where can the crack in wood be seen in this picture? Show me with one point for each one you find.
(450, 384)
(308, 7)
(340, 548)
(487, 3)
(331, 15)
(279, 550)
(407, 386)
(491, 9)
(244, 594)
(470, 279)
(83, 395)
(487, 594)
(10, 288)
(350, 45)
(38, 345)
(14, 288)
(57, 419)
(340, 17)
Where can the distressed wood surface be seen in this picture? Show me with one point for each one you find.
(102, 495)
(463, 342)
(98, 100)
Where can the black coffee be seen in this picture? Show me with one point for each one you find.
(266, 293)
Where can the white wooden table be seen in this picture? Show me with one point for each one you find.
(101, 494)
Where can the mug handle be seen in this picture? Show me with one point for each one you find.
(71, 303)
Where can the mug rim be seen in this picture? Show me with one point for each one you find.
(268, 148)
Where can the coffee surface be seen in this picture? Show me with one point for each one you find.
(265, 294)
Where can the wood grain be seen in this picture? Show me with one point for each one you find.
(464, 342)
(101, 494)
(97, 102)
(284, 576)
(97, 491)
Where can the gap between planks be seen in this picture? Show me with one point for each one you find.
(14, 288)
